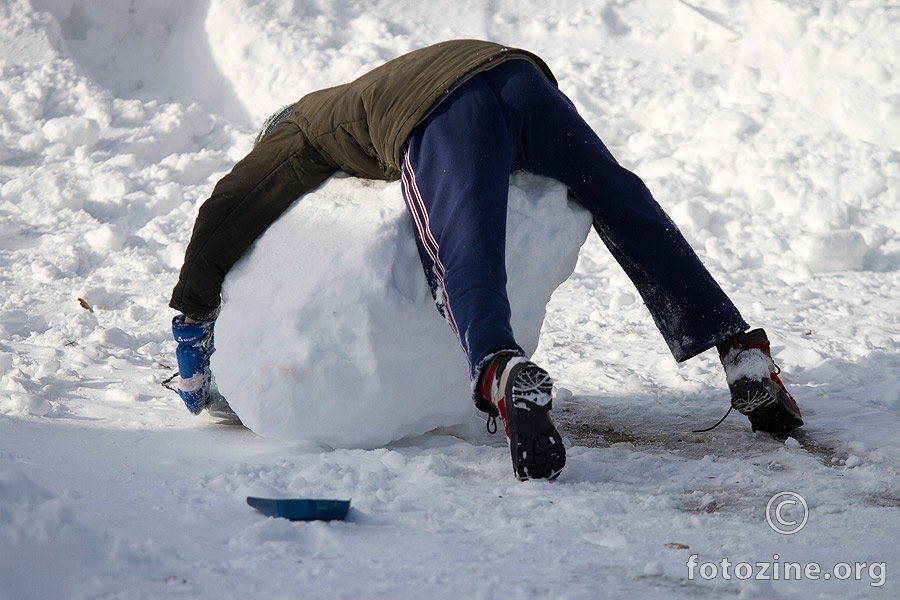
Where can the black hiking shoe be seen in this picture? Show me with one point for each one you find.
(756, 389)
(519, 392)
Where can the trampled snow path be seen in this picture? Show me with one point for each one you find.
(770, 131)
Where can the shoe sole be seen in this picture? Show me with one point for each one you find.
(778, 414)
(535, 445)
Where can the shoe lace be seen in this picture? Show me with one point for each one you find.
(166, 383)
(719, 422)
(749, 406)
(492, 423)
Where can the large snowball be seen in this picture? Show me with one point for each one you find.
(328, 332)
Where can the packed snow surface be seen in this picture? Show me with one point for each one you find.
(768, 129)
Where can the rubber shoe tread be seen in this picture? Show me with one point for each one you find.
(535, 444)
(768, 407)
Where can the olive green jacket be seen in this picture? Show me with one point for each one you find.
(360, 128)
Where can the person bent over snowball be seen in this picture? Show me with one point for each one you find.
(452, 121)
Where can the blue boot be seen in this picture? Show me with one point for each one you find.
(195, 346)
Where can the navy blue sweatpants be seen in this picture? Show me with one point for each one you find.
(456, 180)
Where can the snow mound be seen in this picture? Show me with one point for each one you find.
(43, 549)
(832, 251)
(328, 332)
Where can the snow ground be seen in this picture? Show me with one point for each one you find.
(769, 129)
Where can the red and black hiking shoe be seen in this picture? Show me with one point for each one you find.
(756, 389)
(519, 392)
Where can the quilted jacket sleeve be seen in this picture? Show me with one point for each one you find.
(280, 169)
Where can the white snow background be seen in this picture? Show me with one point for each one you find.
(769, 129)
